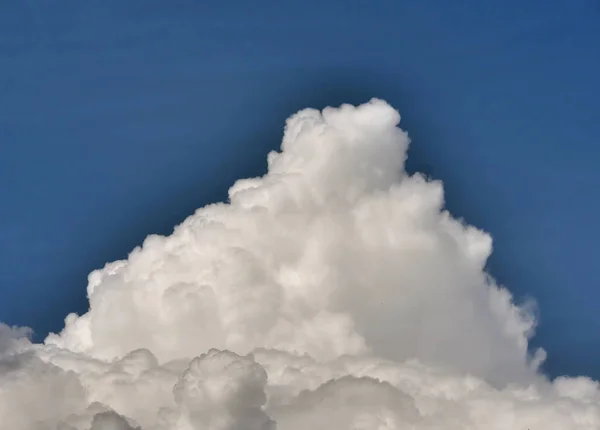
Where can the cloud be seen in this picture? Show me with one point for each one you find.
(333, 292)
(13, 338)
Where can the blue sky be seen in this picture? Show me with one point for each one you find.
(118, 119)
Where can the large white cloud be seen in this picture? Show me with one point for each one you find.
(333, 293)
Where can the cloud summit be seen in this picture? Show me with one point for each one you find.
(335, 292)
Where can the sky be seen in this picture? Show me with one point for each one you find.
(119, 119)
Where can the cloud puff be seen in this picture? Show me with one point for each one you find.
(13, 338)
(333, 292)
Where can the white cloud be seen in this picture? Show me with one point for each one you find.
(334, 292)
(12, 338)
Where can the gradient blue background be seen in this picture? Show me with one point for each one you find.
(119, 118)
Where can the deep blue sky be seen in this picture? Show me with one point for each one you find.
(119, 118)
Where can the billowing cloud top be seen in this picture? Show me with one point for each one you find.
(334, 292)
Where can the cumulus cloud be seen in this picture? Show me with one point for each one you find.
(333, 292)
(13, 338)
